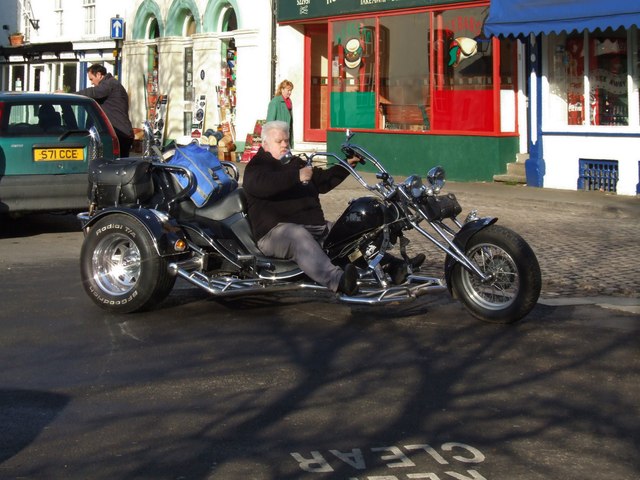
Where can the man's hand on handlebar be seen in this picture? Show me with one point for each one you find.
(352, 157)
(353, 161)
(305, 174)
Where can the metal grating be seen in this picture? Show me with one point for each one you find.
(598, 175)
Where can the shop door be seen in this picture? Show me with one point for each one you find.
(316, 86)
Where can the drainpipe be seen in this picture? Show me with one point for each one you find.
(274, 55)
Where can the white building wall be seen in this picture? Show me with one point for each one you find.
(10, 21)
(73, 20)
(562, 156)
(290, 55)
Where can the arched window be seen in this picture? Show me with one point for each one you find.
(153, 29)
(229, 20)
(189, 26)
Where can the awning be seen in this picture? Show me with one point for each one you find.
(36, 50)
(522, 17)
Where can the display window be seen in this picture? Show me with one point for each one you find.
(424, 71)
(590, 79)
(353, 74)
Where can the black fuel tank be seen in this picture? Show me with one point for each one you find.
(361, 216)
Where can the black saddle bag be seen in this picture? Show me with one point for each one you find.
(123, 182)
(439, 207)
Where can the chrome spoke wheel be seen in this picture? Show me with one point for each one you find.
(503, 285)
(513, 280)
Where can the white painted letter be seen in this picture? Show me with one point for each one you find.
(436, 456)
(316, 464)
(478, 457)
(354, 458)
(474, 475)
(396, 454)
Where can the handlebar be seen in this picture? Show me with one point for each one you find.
(385, 188)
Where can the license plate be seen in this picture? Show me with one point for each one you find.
(58, 154)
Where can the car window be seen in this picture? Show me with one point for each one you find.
(44, 118)
(19, 119)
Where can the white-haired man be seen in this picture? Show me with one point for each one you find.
(285, 212)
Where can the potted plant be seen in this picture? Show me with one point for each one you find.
(16, 39)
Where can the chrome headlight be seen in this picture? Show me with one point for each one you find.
(414, 185)
(436, 179)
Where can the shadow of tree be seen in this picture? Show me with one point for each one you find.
(36, 224)
(235, 389)
(23, 415)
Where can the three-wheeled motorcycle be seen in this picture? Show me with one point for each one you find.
(143, 231)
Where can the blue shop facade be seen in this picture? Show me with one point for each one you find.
(582, 64)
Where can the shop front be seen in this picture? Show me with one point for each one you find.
(584, 90)
(39, 67)
(191, 67)
(415, 79)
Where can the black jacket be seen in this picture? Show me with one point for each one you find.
(276, 195)
(113, 99)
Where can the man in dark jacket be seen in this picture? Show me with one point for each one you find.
(114, 100)
(285, 212)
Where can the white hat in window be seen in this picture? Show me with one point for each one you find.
(353, 53)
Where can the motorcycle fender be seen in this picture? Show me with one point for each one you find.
(462, 237)
(164, 235)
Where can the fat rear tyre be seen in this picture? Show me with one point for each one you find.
(515, 283)
(120, 268)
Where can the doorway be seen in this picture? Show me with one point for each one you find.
(39, 81)
(316, 84)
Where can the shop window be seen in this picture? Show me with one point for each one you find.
(463, 90)
(152, 82)
(226, 92)
(18, 78)
(353, 72)
(589, 78)
(69, 77)
(424, 71)
(608, 79)
(188, 74)
(404, 76)
(508, 83)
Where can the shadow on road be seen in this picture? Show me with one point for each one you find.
(23, 415)
(295, 389)
(36, 224)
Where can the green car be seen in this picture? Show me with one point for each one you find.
(44, 150)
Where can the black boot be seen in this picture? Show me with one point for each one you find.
(397, 268)
(349, 280)
(418, 260)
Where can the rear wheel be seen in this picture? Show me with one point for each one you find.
(514, 281)
(120, 268)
